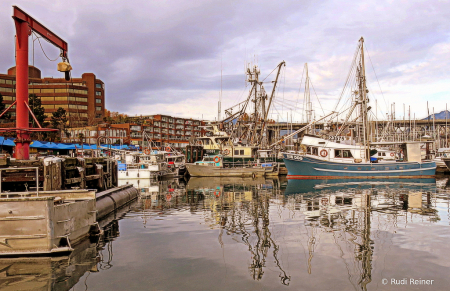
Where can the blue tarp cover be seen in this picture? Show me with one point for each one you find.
(9, 141)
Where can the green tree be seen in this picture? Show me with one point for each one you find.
(7, 115)
(36, 107)
(59, 120)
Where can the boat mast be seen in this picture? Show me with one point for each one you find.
(363, 102)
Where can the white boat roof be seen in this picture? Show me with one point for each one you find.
(310, 140)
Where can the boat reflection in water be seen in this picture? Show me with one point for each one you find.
(254, 234)
(56, 273)
(63, 272)
(240, 208)
(345, 211)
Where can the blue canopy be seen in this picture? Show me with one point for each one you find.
(8, 141)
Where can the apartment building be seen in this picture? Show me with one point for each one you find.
(82, 98)
(165, 129)
(90, 134)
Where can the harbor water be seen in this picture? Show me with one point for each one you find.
(260, 234)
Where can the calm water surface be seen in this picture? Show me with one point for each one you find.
(244, 234)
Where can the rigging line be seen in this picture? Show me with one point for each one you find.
(299, 89)
(317, 96)
(352, 66)
(376, 77)
(270, 74)
(38, 38)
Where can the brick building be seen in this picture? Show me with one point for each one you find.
(90, 134)
(82, 98)
(160, 129)
(164, 129)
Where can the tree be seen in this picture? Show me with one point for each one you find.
(7, 115)
(36, 107)
(59, 120)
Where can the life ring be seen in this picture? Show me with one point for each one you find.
(217, 194)
(226, 152)
(147, 151)
(392, 154)
(216, 159)
(168, 197)
(323, 153)
(167, 149)
(253, 175)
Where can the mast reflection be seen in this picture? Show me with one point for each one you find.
(241, 207)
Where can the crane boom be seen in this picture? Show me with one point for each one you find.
(20, 16)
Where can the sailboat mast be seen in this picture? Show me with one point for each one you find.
(363, 101)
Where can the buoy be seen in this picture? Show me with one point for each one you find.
(323, 153)
(226, 152)
(217, 194)
(167, 149)
(392, 154)
(253, 175)
(147, 151)
(216, 159)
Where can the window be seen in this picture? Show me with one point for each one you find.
(343, 154)
(315, 151)
(49, 106)
(34, 91)
(97, 85)
(81, 99)
(60, 90)
(98, 93)
(98, 108)
(47, 91)
(60, 98)
(241, 152)
(5, 89)
(236, 152)
(98, 100)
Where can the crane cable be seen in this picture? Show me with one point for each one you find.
(40, 44)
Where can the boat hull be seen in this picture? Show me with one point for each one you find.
(208, 171)
(304, 167)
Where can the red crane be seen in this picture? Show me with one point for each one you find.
(25, 24)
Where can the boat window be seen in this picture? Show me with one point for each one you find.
(342, 154)
(315, 151)
(241, 152)
(347, 154)
(236, 152)
(383, 154)
(308, 150)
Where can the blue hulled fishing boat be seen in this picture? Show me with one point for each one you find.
(350, 157)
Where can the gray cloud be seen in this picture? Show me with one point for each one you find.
(144, 51)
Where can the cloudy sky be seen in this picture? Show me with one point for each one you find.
(166, 56)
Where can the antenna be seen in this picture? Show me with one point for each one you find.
(220, 96)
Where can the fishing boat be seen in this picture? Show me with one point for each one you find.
(325, 159)
(440, 155)
(213, 167)
(143, 166)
